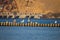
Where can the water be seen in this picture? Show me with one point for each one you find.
(29, 33)
(43, 21)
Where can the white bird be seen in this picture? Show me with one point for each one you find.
(22, 21)
(28, 20)
(55, 21)
(14, 20)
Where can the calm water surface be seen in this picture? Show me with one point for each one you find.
(29, 33)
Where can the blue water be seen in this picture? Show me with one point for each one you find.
(43, 21)
(29, 33)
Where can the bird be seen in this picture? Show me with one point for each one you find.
(22, 21)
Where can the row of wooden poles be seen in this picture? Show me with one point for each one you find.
(28, 24)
